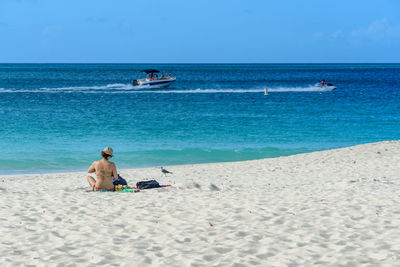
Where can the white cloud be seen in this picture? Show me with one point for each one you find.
(337, 34)
(25, 1)
(378, 30)
(126, 26)
(318, 35)
(51, 30)
(96, 20)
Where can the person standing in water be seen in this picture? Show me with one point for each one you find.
(104, 170)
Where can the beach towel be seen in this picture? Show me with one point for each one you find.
(119, 189)
(124, 189)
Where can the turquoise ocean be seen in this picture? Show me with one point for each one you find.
(57, 117)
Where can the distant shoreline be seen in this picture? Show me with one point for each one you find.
(60, 172)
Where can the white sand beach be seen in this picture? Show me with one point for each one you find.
(334, 207)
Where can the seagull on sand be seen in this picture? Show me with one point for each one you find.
(165, 171)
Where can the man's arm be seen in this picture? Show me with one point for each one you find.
(92, 168)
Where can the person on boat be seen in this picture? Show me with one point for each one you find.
(162, 76)
(323, 83)
(169, 76)
(151, 76)
(104, 170)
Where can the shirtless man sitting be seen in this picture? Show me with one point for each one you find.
(104, 170)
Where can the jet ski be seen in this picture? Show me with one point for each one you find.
(326, 86)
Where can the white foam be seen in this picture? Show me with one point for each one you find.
(235, 91)
(310, 88)
(128, 88)
(201, 91)
(3, 90)
(114, 86)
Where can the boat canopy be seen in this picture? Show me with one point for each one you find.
(150, 71)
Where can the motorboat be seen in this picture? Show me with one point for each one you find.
(153, 81)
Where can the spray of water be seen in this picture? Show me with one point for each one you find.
(128, 88)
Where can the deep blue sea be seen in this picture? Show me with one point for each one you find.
(58, 117)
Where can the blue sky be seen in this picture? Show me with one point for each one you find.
(200, 31)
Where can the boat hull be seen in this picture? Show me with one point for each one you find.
(154, 84)
(328, 87)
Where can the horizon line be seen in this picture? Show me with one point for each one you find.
(202, 63)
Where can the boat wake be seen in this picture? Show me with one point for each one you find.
(121, 88)
(311, 88)
(73, 89)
